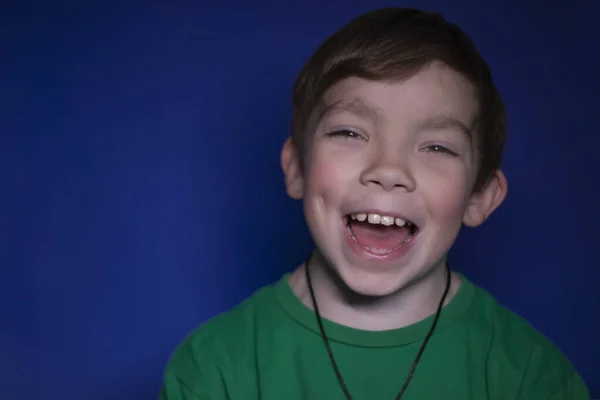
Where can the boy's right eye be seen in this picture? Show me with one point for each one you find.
(345, 133)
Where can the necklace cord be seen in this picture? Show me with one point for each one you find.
(330, 352)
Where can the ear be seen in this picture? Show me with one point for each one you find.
(484, 202)
(290, 164)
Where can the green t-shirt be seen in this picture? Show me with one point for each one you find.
(270, 348)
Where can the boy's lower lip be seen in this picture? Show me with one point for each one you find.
(365, 254)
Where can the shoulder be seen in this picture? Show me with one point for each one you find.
(218, 352)
(518, 349)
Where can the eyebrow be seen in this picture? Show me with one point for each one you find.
(442, 122)
(356, 107)
(364, 110)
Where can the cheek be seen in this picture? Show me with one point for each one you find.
(447, 196)
(326, 175)
(324, 182)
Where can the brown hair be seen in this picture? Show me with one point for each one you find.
(394, 44)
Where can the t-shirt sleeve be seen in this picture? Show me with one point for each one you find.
(193, 375)
(574, 389)
(202, 388)
(551, 376)
(175, 389)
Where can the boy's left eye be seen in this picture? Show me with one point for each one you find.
(436, 148)
(346, 134)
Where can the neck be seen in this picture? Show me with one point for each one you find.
(415, 301)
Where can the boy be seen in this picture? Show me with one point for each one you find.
(397, 138)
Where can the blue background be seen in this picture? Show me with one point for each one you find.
(141, 192)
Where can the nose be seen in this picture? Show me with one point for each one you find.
(389, 172)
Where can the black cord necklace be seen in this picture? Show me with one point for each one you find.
(417, 358)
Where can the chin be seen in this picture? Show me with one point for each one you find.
(370, 284)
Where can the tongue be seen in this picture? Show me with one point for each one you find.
(379, 236)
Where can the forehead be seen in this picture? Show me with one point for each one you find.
(436, 92)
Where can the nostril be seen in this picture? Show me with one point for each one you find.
(388, 176)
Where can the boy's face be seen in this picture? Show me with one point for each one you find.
(388, 177)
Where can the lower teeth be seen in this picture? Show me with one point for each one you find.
(380, 251)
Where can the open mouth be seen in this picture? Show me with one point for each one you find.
(380, 234)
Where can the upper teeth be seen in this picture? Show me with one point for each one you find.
(378, 219)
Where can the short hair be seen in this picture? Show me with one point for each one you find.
(392, 44)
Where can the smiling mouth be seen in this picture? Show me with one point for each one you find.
(380, 234)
